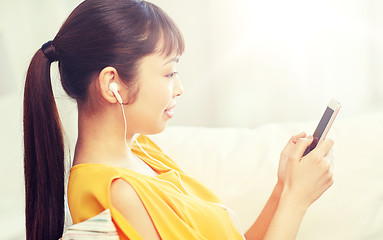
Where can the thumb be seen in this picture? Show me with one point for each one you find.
(293, 140)
(300, 148)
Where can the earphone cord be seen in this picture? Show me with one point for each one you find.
(186, 190)
(178, 176)
(125, 127)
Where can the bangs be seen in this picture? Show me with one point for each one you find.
(163, 35)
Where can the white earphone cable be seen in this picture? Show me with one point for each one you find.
(125, 125)
(179, 177)
(239, 226)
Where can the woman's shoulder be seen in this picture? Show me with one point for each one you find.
(93, 180)
(99, 174)
(93, 174)
(91, 168)
(129, 204)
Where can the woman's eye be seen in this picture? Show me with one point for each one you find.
(172, 75)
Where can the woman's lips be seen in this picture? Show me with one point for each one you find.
(169, 111)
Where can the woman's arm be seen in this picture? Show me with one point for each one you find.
(259, 228)
(300, 182)
(125, 199)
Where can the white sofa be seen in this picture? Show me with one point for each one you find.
(240, 165)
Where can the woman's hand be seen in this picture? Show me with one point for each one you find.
(285, 155)
(307, 178)
(300, 182)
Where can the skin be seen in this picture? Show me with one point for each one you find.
(301, 180)
(146, 115)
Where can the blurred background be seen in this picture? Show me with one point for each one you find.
(247, 63)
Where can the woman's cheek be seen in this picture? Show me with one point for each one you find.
(167, 95)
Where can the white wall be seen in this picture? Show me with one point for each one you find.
(247, 62)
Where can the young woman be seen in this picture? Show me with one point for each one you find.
(117, 59)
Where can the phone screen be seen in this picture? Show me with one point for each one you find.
(320, 129)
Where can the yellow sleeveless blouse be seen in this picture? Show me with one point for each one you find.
(175, 215)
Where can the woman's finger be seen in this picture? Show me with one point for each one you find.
(295, 138)
(300, 147)
(330, 159)
(324, 147)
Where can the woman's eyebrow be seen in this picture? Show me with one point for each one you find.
(176, 59)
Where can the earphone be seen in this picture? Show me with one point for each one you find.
(113, 87)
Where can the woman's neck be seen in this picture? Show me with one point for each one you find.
(101, 139)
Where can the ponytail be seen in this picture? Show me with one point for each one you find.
(43, 154)
(97, 34)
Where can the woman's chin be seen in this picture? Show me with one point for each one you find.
(158, 129)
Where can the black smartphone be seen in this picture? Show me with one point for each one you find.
(324, 125)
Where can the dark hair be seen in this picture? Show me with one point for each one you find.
(97, 34)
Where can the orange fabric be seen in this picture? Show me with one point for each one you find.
(175, 215)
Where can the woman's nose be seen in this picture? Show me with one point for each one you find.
(178, 88)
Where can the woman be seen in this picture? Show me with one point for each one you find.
(117, 59)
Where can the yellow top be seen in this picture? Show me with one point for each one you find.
(175, 215)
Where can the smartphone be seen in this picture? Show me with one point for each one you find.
(324, 124)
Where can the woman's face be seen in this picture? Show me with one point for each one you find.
(159, 85)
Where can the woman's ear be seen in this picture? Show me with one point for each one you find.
(107, 76)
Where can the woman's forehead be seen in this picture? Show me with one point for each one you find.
(158, 61)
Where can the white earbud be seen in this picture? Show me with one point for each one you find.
(113, 87)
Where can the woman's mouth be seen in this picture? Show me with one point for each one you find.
(169, 111)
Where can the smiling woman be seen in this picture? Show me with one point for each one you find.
(117, 59)
(159, 86)
(124, 42)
